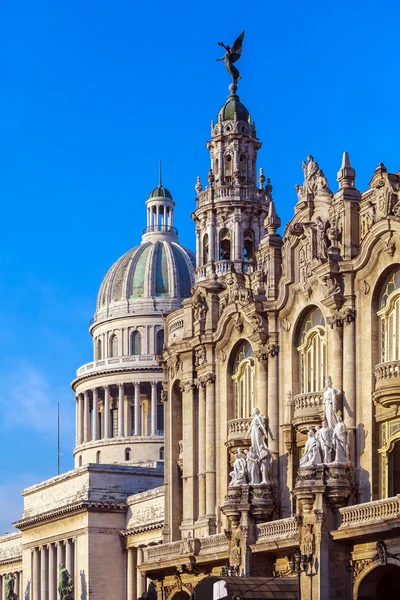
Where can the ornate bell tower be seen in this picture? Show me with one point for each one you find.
(230, 211)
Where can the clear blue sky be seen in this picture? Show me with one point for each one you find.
(92, 94)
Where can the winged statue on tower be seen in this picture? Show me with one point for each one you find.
(231, 56)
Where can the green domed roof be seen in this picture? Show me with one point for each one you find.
(232, 106)
(160, 192)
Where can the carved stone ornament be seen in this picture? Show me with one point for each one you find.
(266, 350)
(200, 356)
(308, 540)
(315, 182)
(186, 386)
(200, 307)
(346, 315)
(333, 285)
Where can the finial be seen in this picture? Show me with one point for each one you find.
(198, 187)
(261, 178)
(231, 55)
(272, 221)
(211, 177)
(268, 189)
(346, 174)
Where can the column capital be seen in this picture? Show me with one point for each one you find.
(94, 390)
(153, 383)
(121, 386)
(86, 393)
(186, 386)
(345, 315)
(267, 350)
(136, 383)
(106, 388)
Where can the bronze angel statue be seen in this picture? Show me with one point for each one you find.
(231, 56)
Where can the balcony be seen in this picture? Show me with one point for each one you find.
(138, 361)
(237, 431)
(387, 383)
(283, 533)
(369, 518)
(308, 410)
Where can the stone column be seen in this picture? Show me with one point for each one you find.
(86, 416)
(17, 584)
(199, 250)
(130, 574)
(53, 573)
(349, 381)
(81, 418)
(69, 558)
(261, 379)
(188, 438)
(154, 408)
(106, 411)
(237, 245)
(137, 407)
(35, 574)
(60, 555)
(335, 353)
(210, 446)
(120, 410)
(44, 573)
(202, 448)
(77, 421)
(273, 403)
(95, 414)
(141, 581)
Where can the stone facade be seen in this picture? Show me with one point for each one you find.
(271, 317)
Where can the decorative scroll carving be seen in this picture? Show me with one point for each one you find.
(200, 357)
(346, 315)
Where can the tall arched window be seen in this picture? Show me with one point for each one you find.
(98, 457)
(205, 249)
(113, 345)
(224, 244)
(243, 379)
(127, 454)
(248, 251)
(136, 343)
(162, 453)
(389, 314)
(312, 352)
(99, 353)
(160, 341)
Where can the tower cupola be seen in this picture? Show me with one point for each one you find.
(160, 214)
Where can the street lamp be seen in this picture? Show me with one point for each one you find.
(298, 564)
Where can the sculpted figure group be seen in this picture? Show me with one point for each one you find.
(329, 442)
(254, 466)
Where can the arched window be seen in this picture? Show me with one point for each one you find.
(136, 343)
(248, 251)
(99, 354)
(205, 249)
(224, 244)
(127, 454)
(162, 453)
(80, 460)
(243, 378)
(160, 341)
(389, 314)
(113, 345)
(228, 168)
(312, 352)
(98, 457)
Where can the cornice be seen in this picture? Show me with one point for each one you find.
(66, 511)
(142, 528)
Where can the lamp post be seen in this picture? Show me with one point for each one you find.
(298, 564)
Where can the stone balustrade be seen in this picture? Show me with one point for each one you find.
(238, 428)
(137, 360)
(175, 327)
(387, 383)
(308, 410)
(214, 544)
(164, 552)
(281, 529)
(360, 514)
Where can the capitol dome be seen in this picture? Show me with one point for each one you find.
(156, 275)
(155, 269)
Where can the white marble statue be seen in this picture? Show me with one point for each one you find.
(253, 467)
(258, 432)
(330, 404)
(312, 453)
(340, 439)
(239, 473)
(326, 442)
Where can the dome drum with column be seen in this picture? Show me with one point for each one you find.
(119, 414)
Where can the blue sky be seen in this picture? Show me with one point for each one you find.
(92, 94)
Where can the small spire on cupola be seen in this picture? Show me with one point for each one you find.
(346, 175)
(160, 174)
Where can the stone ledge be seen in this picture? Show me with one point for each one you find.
(64, 511)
